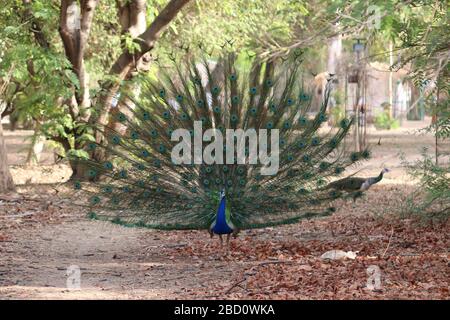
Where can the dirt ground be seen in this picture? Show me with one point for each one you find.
(43, 237)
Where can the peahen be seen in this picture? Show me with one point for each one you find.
(355, 186)
(140, 184)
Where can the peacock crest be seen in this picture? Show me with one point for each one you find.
(140, 184)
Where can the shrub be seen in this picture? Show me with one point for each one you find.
(384, 121)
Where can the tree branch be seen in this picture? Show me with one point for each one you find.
(147, 39)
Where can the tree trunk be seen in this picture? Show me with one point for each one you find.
(6, 181)
(35, 149)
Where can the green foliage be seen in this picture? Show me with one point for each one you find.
(432, 199)
(337, 114)
(384, 121)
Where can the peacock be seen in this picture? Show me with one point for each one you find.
(355, 186)
(230, 109)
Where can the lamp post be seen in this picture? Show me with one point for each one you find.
(359, 105)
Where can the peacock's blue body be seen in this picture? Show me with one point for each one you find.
(222, 225)
(139, 184)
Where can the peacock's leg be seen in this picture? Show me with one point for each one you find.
(221, 240)
(228, 241)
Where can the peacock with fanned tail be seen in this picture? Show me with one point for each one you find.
(141, 185)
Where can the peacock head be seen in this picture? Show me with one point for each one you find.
(385, 170)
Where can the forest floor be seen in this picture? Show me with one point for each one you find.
(44, 237)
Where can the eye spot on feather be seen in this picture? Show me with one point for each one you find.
(334, 194)
(338, 170)
(166, 115)
(157, 163)
(366, 154)
(269, 82)
(179, 98)
(95, 200)
(92, 215)
(273, 107)
(303, 97)
(354, 157)
(344, 123)
(92, 146)
(134, 135)
(253, 90)
(115, 139)
(315, 141)
(108, 165)
(146, 116)
(322, 117)
(233, 77)
(289, 102)
(302, 121)
(123, 174)
(77, 185)
(324, 166)
(333, 143)
(162, 93)
(91, 173)
(153, 133)
(302, 191)
(121, 117)
(235, 99)
(215, 90)
(200, 103)
(233, 118)
(107, 189)
(216, 109)
(145, 153)
(141, 184)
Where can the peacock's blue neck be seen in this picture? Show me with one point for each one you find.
(221, 226)
(221, 214)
